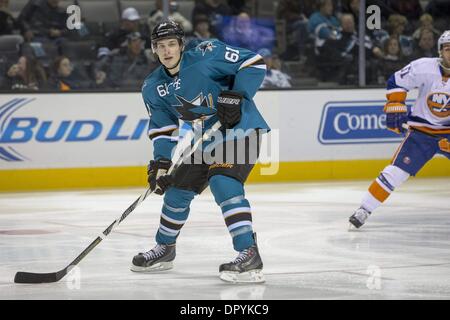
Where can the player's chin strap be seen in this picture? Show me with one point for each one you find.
(441, 63)
(179, 60)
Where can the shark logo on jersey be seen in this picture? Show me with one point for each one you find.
(198, 108)
(206, 46)
(439, 104)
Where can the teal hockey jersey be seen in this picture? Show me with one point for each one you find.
(205, 70)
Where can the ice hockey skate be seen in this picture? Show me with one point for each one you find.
(358, 218)
(246, 268)
(157, 259)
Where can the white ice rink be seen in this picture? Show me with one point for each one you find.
(403, 252)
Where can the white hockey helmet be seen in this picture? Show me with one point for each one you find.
(444, 38)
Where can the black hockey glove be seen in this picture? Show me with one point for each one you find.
(229, 108)
(158, 178)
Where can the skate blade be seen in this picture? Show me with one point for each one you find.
(352, 227)
(253, 276)
(154, 268)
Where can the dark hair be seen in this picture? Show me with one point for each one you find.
(322, 3)
(57, 63)
(201, 18)
(388, 41)
(425, 30)
(396, 20)
(34, 72)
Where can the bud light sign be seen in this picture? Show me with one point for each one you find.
(8, 153)
(36, 130)
(355, 122)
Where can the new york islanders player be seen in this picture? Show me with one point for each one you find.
(209, 82)
(430, 113)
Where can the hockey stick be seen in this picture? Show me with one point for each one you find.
(30, 277)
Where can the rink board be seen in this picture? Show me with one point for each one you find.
(75, 178)
(52, 141)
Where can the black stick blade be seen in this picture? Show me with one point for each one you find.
(29, 277)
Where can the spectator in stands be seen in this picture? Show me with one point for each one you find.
(201, 32)
(396, 25)
(237, 6)
(117, 39)
(4, 83)
(323, 25)
(392, 60)
(202, 28)
(342, 54)
(100, 78)
(440, 11)
(7, 22)
(243, 32)
(274, 78)
(292, 11)
(426, 46)
(426, 22)
(384, 6)
(43, 20)
(309, 7)
(130, 66)
(26, 74)
(351, 7)
(215, 10)
(348, 42)
(66, 77)
(411, 9)
(157, 15)
(380, 35)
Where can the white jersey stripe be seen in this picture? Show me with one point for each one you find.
(239, 224)
(165, 137)
(162, 129)
(248, 62)
(230, 212)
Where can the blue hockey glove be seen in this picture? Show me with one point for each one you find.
(396, 116)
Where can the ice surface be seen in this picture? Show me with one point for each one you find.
(403, 252)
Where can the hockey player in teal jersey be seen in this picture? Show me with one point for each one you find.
(210, 82)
